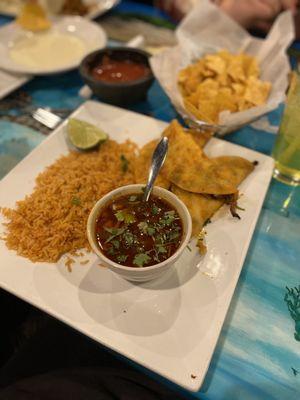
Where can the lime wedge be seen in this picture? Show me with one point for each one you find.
(84, 135)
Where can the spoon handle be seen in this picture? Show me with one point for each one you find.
(158, 159)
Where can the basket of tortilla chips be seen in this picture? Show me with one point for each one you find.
(219, 75)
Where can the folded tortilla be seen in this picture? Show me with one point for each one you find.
(143, 160)
(188, 167)
(201, 207)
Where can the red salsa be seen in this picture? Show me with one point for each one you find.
(116, 71)
(138, 234)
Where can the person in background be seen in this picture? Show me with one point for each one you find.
(251, 14)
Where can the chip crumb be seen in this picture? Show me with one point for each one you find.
(102, 266)
(200, 242)
(84, 262)
(202, 248)
(68, 263)
(193, 376)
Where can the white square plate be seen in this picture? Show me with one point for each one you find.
(170, 326)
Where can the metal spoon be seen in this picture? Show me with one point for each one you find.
(158, 159)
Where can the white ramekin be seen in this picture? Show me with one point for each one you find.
(145, 273)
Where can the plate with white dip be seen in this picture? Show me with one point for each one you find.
(58, 49)
(94, 8)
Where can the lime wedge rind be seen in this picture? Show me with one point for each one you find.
(84, 135)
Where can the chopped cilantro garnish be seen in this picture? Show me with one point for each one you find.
(124, 163)
(132, 198)
(170, 213)
(141, 259)
(116, 243)
(129, 218)
(122, 258)
(160, 238)
(76, 201)
(155, 210)
(146, 228)
(119, 215)
(114, 232)
(129, 238)
(173, 235)
(150, 231)
(124, 216)
(143, 226)
(161, 249)
(168, 218)
(111, 251)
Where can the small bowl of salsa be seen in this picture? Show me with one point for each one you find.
(139, 240)
(119, 75)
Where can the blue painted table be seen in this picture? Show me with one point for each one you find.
(258, 352)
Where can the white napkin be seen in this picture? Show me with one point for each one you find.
(206, 29)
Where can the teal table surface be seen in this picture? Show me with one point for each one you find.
(258, 352)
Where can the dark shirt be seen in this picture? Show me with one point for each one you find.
(88, 384)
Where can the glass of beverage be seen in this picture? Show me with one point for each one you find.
(286, 151)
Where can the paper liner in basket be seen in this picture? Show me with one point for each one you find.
(207, 29)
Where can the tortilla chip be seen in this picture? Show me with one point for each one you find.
(226, 56)
(193, 99)
(236, 69)
(207, 89)
(33, 18)
(242, 104)
(197, 113)
(201, 207)
(257, 91)
(208, 73)
(142, 165)
(209, 108)
(223, 80)
(238, 88)
(226, 100)
(251, 67)
(215, 63)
